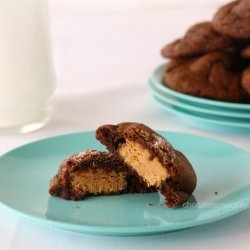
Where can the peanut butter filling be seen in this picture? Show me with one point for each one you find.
(99, 181)
(139, 158)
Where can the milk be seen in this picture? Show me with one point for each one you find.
(26, 76)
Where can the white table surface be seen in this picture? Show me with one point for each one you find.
(103, 56)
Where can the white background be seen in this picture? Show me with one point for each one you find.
(103, 53)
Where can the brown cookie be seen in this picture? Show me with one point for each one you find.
(209, 76)
(152, 158)
(233, 19)
(246, 80)
(199, 39)
(94, 173)
(245, 53)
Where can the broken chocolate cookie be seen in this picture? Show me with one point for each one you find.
(152, 158)
(94, 173)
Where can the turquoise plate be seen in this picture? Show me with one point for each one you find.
(223, 188)
(157, 79)
(205, 120)
(217, 113)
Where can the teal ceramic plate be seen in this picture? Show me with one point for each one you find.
(206, 120)
(223, 189)
(157, 79)
(217, 113)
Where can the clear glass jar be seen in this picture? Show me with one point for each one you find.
(26, 72)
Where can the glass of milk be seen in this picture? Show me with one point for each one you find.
(26, 72)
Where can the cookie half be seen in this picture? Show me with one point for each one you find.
(94, 173)
(152, 158)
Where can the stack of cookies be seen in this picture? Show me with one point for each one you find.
(212, 60)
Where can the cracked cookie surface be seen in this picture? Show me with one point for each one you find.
(199, 39)
(233, 19)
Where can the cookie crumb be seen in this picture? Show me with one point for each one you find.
(149, 204)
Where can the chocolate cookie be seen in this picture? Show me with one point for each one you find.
(246, 80)
(199, 39)
(233, 19)
(94, 173)
(152, 158)
(209, 76)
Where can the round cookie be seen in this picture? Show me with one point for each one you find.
(246, 80)
(209, 76)
(199, 39)
(245, 53)
(233, 19)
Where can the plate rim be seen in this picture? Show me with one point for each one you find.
(124, 230)
(181, 111)
(166, 96)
